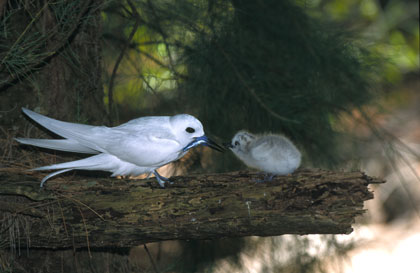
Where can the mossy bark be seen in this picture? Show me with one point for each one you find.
(124, 213)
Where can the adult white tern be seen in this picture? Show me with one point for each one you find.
(138, 146)
(274, 154)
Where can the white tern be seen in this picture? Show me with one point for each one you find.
(273, 154)
(138, 146)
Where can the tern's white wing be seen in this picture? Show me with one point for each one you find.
(146, 141)
(66, 145)
(73, 131)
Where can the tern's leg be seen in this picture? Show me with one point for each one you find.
(161, 180)
(267, 178)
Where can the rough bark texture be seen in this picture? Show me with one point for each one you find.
(123, 213)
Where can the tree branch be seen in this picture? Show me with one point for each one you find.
(124, 213)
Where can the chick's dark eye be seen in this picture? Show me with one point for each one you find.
(190, 130)
(236, 143)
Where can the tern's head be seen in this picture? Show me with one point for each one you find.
(186, 127)
(241, 141)
(190, 133)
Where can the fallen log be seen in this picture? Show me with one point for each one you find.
(109, 212)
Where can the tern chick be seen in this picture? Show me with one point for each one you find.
(273, 154)
(139, 146)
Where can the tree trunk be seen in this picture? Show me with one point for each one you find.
(57, 61)
(71, 81)
(124, 213)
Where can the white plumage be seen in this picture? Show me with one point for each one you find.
(139, 146)
(274, 154)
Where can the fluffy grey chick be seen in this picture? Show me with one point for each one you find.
(274, 154)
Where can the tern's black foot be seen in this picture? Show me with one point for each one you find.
(161, 179)
(267, 178)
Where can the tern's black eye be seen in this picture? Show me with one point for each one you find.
(236, 143)
(190, 130)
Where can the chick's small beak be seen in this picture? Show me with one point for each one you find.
(204, 140)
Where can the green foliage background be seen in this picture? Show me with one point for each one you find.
(290, 67)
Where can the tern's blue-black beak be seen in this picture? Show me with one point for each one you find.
(203, 140)
(227, 145)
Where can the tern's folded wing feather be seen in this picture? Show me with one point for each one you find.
(152, 147)
(61, 128)
(147, 141)
(66, 145)
(84, 134)
(102, 162)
